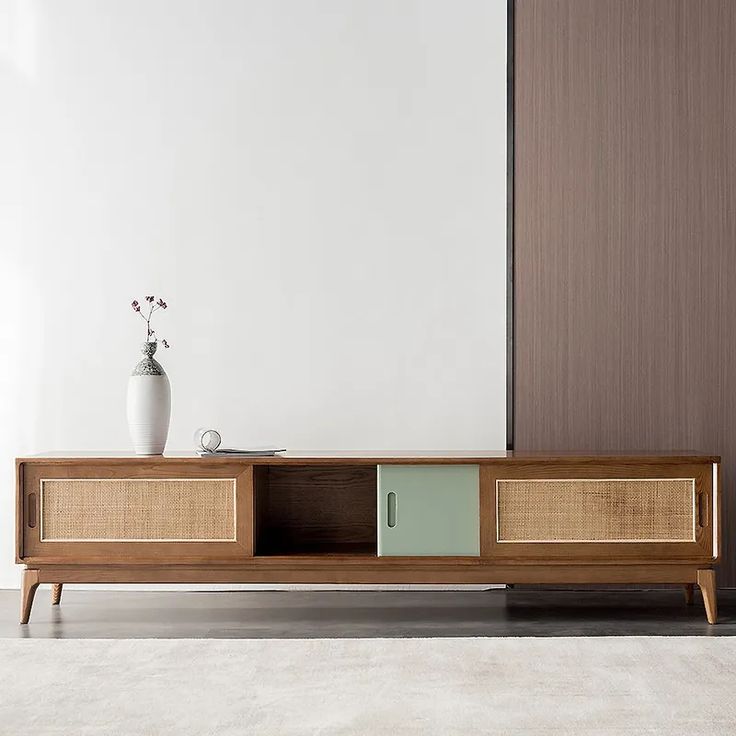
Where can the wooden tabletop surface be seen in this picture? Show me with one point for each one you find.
(376, 457)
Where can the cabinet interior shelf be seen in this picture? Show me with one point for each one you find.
(315, 510)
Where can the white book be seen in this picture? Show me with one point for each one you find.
(224, 451)
(207, 442)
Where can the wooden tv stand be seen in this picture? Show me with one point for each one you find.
(476, 518)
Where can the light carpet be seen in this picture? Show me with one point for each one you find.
(197, 687)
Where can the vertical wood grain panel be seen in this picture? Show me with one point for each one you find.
(625, 229)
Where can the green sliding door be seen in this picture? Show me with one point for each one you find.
(428, 510)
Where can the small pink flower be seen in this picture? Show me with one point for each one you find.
(148, 315)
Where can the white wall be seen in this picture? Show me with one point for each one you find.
(316, 187)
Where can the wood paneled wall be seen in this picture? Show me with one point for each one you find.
(625, 230)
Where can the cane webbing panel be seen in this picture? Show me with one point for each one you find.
(596, 510)
(138, 510)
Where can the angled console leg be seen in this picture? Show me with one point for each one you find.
(28, 586)
(689, 591)
(707, 583)
(56, 594)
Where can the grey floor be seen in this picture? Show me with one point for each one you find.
(297, 614)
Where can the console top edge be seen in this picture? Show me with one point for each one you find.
(375, 458)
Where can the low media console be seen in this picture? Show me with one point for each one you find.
(480, 518)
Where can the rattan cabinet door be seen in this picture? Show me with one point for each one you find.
(654, 513)
(153, 513)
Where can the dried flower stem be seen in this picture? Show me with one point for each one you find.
(147, 320)
(154, 307)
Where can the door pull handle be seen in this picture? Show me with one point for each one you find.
(391, 510)
(31, 516)
(702, 510)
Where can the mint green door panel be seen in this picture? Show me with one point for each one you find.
(428, 510)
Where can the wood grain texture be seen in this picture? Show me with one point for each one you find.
(689, 594)
(142, 466)
(317, 523)
(707, 583)
(371, 572)
(625, 230)
(56, 589)
(702, 548)
(28, 586)
(318, 509)
(30, 545)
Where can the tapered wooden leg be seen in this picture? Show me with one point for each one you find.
(707, 583)
(689, 591)
(28, 586)
(56, 594)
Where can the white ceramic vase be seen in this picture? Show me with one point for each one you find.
(149, 404)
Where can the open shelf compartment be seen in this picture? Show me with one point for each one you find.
(315, 510)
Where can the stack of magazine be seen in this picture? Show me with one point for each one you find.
(207, 444)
